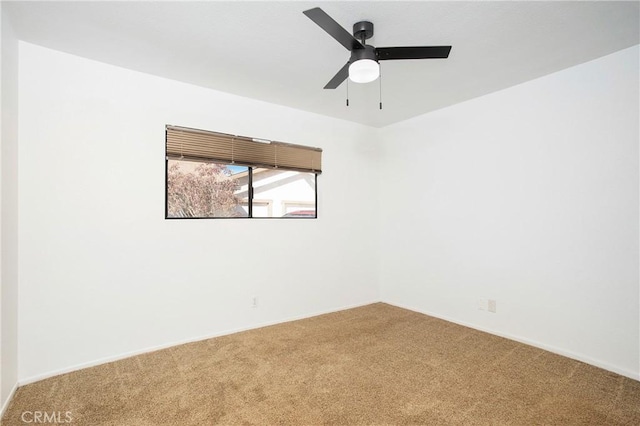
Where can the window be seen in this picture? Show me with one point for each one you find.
(214, 175)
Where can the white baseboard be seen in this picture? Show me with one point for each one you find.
(6, 403)
(556, 350)
(108, 359)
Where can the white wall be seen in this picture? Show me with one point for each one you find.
(8, 212)
(103, 274)
(528, 196)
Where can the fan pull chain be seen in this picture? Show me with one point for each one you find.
(380, 87)
(347, 91)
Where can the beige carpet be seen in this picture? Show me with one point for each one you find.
(372, 365)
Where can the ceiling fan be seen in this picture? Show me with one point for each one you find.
(363, 66)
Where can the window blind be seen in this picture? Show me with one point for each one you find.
(202, 145)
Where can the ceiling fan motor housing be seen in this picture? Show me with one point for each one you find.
(369, 52)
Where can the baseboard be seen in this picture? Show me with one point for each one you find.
(556, 350)
(105, 360)
(6, 403)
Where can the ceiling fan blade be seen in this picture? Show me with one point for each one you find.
(334, 29)
(339, 77)
(417, 52)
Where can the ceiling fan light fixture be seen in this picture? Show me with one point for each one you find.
(364, 71)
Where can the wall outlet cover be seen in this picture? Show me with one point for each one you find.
(482, 304)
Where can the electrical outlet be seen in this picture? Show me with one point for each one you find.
(254, 302)
(482, 304)
(492, 306)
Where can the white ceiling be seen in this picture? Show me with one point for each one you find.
(272, 52)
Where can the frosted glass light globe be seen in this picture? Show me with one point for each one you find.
(364, 71)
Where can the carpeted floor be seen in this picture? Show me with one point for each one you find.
(372, 365)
